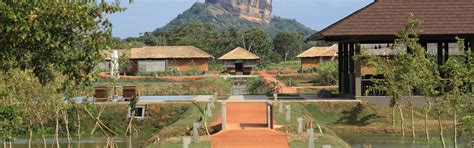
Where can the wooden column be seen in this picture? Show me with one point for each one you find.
(424, 45)
(446, 51)
(472, 45)
(358, 72)
(440, 54)
(351, 69)
(340, 67)
(466, 45)
(346, 70)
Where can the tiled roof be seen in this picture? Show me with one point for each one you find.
(387, 17)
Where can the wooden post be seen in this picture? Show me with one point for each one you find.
(358, 72)
(186, 141)
(224, 115)
(269, 114)
(209, 109)
(300, 125)
(196, 127)
(446, 51)
(310, 133)
(340, 67)
(346, 69)
(440, 54)
(288, 113)
(472, 45)
(352, 69)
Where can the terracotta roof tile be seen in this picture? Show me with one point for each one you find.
(387, 17)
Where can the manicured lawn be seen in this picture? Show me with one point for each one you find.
(160, 88)
(299, 140)
(288, 65)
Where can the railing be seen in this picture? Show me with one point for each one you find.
(366, 88)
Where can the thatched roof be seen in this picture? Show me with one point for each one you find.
(168, 52)
(239, 54)
(107, 54)
(330, 51)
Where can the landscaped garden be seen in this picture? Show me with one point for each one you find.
(348, 119)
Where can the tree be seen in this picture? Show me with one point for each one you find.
(71, 44)
(429, 88)
(329, 72)
(408, 70)
(118, 43)
(201, 35)
(412, 64)
(257, 41)
(45, 62)
(124, 62)
(458, 90)
(390, 85)
(288, 44)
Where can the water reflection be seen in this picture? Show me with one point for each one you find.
(393, 141)
(84, 142)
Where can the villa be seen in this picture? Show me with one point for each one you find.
(240, 61)
(315, 56)
(380, 21)
(167, 58)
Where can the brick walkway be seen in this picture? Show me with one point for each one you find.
(246, 128)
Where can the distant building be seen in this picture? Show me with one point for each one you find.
(104, 66)
(240, 61)
(315, 56)
(165, 58)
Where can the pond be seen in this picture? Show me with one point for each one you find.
(356, 141)
(85, 142)
(145, 98)
(396, 141)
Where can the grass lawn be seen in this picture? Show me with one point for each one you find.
(299, 140)
(285, 65)
(172, 135)
(160, 88)
(350, 118)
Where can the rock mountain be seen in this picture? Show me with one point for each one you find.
(240, 14)
(258, 11)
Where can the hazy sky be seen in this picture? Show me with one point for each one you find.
(147, 15)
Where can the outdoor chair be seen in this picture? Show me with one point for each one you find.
(101, 94)
(129, 92)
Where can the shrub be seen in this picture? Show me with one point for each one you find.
(329, 73)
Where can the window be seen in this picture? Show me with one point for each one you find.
(152, 65)
(139, 112)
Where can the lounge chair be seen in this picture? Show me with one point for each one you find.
(129, 92)
(101, 94)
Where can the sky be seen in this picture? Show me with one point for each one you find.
(147, 15)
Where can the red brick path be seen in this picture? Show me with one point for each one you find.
(246, 128)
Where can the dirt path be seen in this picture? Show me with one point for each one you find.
(246, 128)
(269, 78)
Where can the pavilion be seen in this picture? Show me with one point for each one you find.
(380, 21)
(315, 56)
(240, 61)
